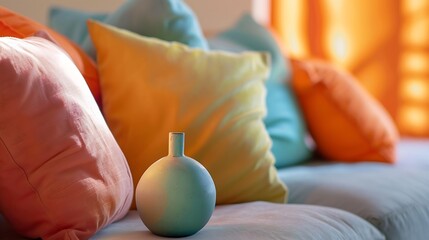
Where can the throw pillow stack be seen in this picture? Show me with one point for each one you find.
(216, 98)
(66, 170)
(156, 75)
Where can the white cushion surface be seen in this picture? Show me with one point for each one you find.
(393, 198)
(260, 220)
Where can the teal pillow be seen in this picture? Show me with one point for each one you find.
(284, 121)
(249, 34)
(169, 20)
(72, 23)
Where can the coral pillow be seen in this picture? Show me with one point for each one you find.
(346, 123)
(62, 174)
(170, 20)
(15, 25)
(151, 87)
(284, 121)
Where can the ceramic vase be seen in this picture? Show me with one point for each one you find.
(176, 195)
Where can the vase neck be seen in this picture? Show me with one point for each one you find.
(176, 144)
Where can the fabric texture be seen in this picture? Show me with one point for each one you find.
(62, 174)
(216, 98)
(261, 220)
(170, 20)
(15, 25)
(72, 23)
(346, 123)
(284, 121)
(394, 198)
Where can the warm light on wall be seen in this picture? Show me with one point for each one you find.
(416, 32)
(336, 39)
(413, 6)
(415, 118)
(414, 62)
(416, 90)
(338, 46)
(292, 26)
(414, 58)
(384, 43)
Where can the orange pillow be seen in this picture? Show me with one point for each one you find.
(346, 123)
(15, 25)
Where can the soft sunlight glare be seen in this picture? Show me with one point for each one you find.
(416, 90)
(292, 19)
(338, 45)
(415, 62)
(415, 32)
(414, 119)
(384, 43)
(412, 6)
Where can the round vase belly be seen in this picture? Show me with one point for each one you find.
(176, 195)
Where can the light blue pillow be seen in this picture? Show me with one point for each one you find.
(170, 20)
(284, 121)
(72, 23)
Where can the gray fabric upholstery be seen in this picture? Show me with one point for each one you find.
(247, 221)
(394, 198)
(261, 220)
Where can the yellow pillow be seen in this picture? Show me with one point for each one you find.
(151, 87)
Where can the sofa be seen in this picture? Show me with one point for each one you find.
(394, 199)
(382, 192)
(372, 201)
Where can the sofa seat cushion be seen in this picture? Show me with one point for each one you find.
(413, 152)
(394, 198)
(260, 220)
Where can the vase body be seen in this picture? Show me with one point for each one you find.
(176, 195)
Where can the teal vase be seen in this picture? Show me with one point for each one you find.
(176, 195)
